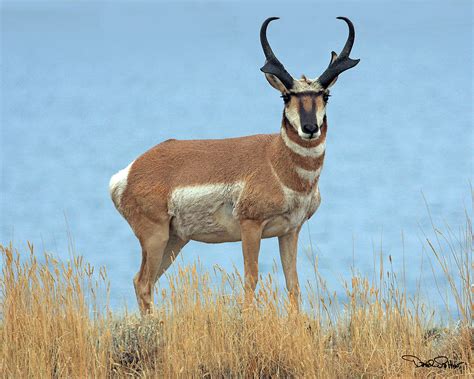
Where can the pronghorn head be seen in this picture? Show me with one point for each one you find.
(306, 99)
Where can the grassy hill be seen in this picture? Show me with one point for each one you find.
(55, 322)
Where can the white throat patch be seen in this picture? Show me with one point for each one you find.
(312, 152)
(308, 175)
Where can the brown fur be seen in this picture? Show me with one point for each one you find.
(307, 102)
(262, 162)
(233, 189)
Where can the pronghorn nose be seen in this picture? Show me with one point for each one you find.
(310, 128)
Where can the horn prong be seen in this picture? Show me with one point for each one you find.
(343, 62)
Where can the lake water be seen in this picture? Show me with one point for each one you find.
(87, 88)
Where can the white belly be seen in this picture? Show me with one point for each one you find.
(206, 213)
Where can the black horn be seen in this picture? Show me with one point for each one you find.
(342, 62)
(272, 64)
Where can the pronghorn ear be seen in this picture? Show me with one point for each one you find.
(333, 58)
(276, 83)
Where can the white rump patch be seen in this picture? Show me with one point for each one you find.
(308, 175)
(205, 209)
(117, 185)
(312, 152)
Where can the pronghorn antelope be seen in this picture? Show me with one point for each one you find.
(235, 189)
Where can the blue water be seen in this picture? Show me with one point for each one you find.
(86, 88)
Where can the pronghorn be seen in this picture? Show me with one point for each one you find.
(235, 189)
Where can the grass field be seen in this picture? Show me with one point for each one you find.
(55, 322)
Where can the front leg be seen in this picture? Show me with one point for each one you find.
(251, 234)
(288, 251)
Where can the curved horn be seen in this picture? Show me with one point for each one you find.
(272, 64)
(342, 62)
(350, 39)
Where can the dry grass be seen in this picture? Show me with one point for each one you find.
(53, 325)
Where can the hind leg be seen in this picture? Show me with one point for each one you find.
(173, 248)
(153, 237)
(138, 278)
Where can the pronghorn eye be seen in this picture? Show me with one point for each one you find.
(286, 97)
(326, 97)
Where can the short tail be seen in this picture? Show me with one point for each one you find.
(117, 185)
